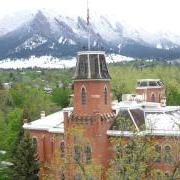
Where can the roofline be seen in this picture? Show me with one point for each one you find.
(148, 80)
(149, 87)
(143, 133)
(51, 130)
(91, 79)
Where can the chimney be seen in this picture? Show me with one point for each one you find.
(163, 102)
(25, 121)
(43, 115)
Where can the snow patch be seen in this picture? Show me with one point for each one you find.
(159, 46)
(32, 43)
(49, 62)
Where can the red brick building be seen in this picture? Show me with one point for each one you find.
(94, 113)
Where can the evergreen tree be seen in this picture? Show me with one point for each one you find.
(25, 160)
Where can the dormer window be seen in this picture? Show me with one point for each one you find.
(105, 95)
(83, 96)
(153, 98)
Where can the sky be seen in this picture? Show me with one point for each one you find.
(151, 15)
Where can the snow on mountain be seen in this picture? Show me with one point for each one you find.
(32, 43)
(49, 62)
(50, 33)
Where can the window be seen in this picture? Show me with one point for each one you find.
(105, 95)
(90, 177)
(77, 153)
(34, 142)
(88, 153)
(62, 148)
(152, 83)
(77, 176)
(157, 157)
(153, 98)
(167, 154)
(143, 84)
(62, 176)
(83, 96)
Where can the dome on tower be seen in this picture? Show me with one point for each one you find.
(91, 65)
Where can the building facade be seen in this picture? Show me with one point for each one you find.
(76, 139)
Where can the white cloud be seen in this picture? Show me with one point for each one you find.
(152, 15)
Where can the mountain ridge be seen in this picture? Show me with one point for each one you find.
(45, 33)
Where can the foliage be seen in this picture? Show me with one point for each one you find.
(132, 155)
(76, 150)
(25, 160)
(61, 96)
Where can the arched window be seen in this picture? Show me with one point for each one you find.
(62, 148)
(157, 157)
(77, 176)
(34, 142)
(77, 153)
(167, 154)
(105, 95)
(88, 153)
(83, 96)
(153, 98)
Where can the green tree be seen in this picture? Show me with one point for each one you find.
(133, 155)
(26, 166)
(60, 96)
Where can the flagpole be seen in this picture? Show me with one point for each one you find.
(89, 41)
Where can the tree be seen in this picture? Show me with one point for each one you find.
(119, 89)
(25, 160)
(60, 96)
(133, 155)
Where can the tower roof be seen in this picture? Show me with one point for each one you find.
(91, 65)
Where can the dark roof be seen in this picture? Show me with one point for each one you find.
(126, 123)
(91, 65)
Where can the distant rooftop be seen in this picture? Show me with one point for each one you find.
(149, 83)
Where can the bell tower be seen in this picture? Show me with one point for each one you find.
(91, 84)
(92, 109)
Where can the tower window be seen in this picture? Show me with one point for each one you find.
(153, 98)
(105, 95)
(83, 96)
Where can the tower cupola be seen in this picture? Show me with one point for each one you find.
(91, 84)
(91, 65)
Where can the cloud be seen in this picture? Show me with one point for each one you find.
(152, 15)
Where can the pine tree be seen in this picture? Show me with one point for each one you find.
(25, 161)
